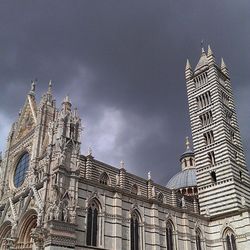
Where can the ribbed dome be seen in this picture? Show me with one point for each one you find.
(183, 179)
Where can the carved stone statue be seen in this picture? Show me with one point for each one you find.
(56, 212)
(207, 212)
(183, 202)
(243, 201)
(50, 212)
(65, 214)
(153, 192)
(149, 175)
(14, 229)
(73, 216)
(117, 180)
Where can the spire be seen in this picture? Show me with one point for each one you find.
(224, 67)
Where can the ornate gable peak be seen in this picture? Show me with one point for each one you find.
(28, 115)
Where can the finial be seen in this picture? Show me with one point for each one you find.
(122, 164)
(20, 112)
(149, 175)
(50, 87)
(89, 151)
(187, 144)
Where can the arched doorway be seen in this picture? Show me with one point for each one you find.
(27, 223)
(5, 233)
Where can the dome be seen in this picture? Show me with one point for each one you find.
(183, 179)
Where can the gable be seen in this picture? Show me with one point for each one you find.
(27, 119)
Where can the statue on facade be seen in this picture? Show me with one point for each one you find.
(183, 202)
(153, 192)
(117, 177)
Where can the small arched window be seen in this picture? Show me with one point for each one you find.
(230, 240)
(104, 178)
(134, 231)
(191, 162)
(21, 169)
(92, 226)
(169, 236)
(198, 239)
(160, 197)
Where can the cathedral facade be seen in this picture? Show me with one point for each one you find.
(53, 197)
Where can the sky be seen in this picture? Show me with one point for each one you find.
(122, 64)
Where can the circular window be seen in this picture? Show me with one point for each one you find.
(21, 170)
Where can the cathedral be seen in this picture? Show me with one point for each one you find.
(52, 197)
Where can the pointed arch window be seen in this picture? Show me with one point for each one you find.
(198, 239)
(92, 226)
(230, 240)
(169, 236)
(134, 231)
(104, 178)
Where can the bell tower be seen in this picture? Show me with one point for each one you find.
(222, 176)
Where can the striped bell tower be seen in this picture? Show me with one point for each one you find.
(222, 177)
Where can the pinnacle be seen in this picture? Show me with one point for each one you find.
(50, 87)
(66, 99)
(122, 164)
(209, 51)
(223, 65)
(188, 65)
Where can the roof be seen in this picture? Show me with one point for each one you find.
(183, 179)
(203, 61)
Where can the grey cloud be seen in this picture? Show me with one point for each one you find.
(127, 56)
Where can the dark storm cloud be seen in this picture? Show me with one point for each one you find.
(122, 62)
